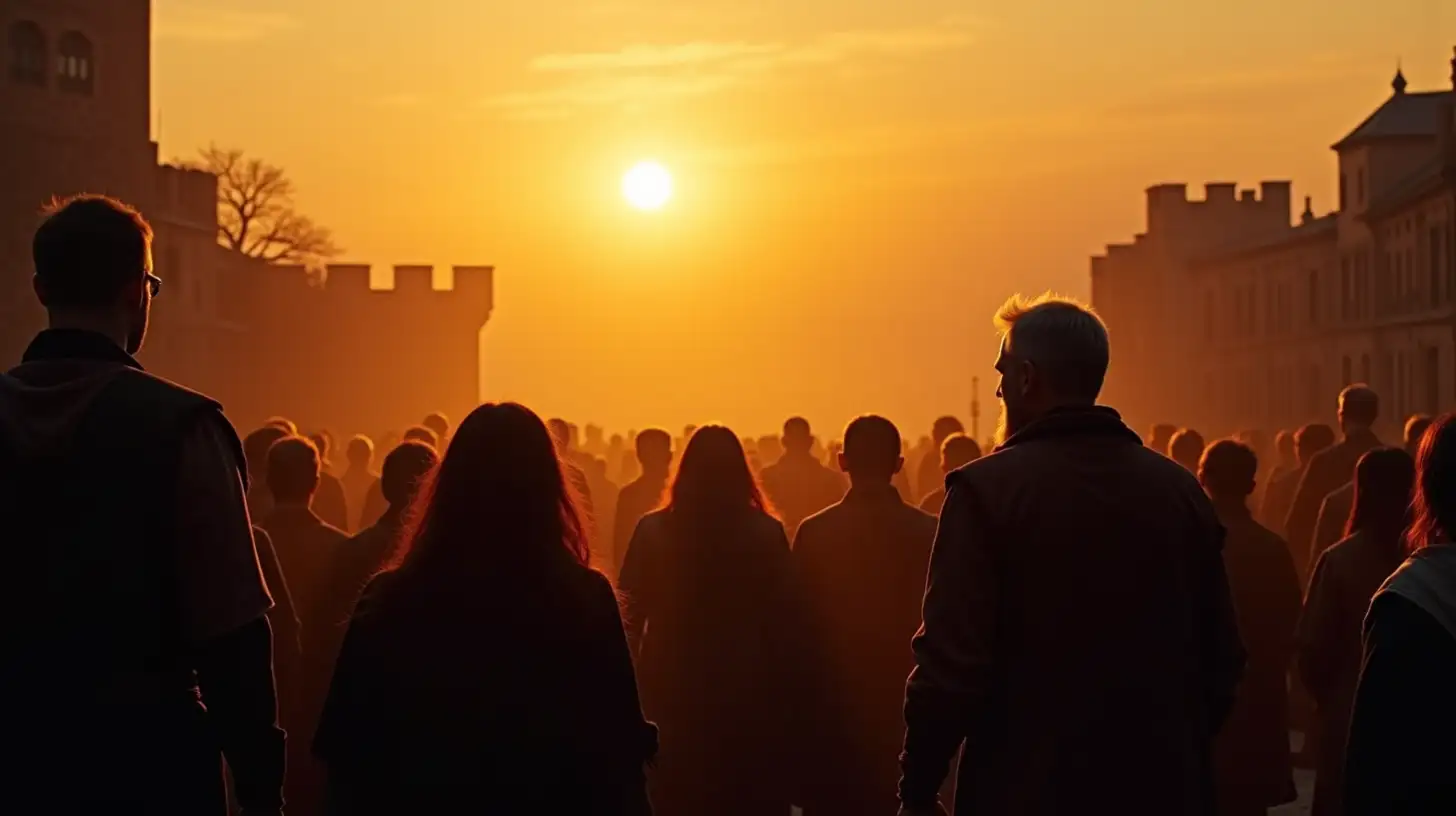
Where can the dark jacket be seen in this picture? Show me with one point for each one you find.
(1079, 636)
(1278, 497)
(636, 500)
(710, 610)
(454, 700)
(799, 486)
(1251, 756)
(1330, 469)
(1400, 752)
(1334, 517)
(102, 686)
(861, 571)
(1346, 578)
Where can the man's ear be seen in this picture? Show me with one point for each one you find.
(899, 465)
(843, 463)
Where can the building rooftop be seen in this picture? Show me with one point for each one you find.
(1404, 115)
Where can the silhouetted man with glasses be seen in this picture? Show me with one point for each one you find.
(137, 653)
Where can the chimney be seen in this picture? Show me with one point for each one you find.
(1453, 68)
(1308, 214)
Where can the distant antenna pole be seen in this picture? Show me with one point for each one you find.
(976, 409)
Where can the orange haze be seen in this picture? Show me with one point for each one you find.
(858, 183)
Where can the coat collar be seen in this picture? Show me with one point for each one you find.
(76, 344)
(1092, 420)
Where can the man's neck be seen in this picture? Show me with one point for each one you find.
(655, 474)
(105, 327)
(865, 485)
(292, 504)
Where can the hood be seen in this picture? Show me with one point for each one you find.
(1428, 580)
(42, 403)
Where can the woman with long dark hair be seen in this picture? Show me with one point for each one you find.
(710, 614)
(1401, 753)
(1346, 577)
(486, 670)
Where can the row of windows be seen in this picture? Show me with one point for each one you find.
(30, 64)
(1410, 381)
(1397, 282)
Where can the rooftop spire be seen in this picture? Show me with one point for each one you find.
(1453, 68)
(1308, 214)
(1399, 82)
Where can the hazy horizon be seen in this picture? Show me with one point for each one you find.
(858, 184)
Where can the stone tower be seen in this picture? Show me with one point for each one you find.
(75, 102)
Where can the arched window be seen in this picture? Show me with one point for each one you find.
(27, 53)
(74, 65)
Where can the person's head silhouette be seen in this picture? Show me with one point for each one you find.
(1359, 408)
(714, 479)
(1415, 430)
(1384, 479)
(255, 451)
(1054, 354)
(404, 470)
(1227, 471)
(293, 471)
(497, 507)
(283, 424)
(1311, 439)
(1285, 448)
(324, 441)
(360, 453)
(654, 452)
(1186, 449)
(1434, 507)
(420, 433)
(943, 428)
(563, 434)
(93, 268)
(871, 451)
(798, 440)
(440, 424)
(957, 451)
(1161, 436)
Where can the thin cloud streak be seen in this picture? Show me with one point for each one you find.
(645, 74)
(178, 22)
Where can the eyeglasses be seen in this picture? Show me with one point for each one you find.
(154, 283)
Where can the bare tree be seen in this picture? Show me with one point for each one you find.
(256, 214)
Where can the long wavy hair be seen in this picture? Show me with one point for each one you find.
(1384, 478)
(496, 503)
(1434, 507)
(714, 479)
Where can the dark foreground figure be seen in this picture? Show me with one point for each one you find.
(710, 598)
(1079, 638)
(1400, 755)
(488, 671)
(139, 599)
(861, 570)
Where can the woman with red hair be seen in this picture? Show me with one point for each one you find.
(1401, 756)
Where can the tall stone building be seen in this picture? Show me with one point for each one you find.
(1227, 316)
(75, 113)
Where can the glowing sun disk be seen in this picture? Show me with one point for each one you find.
(647, 186)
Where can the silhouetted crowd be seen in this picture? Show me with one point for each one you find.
(504, 617)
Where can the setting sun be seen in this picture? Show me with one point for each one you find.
(647, 186)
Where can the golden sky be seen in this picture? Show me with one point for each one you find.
(859, 183)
